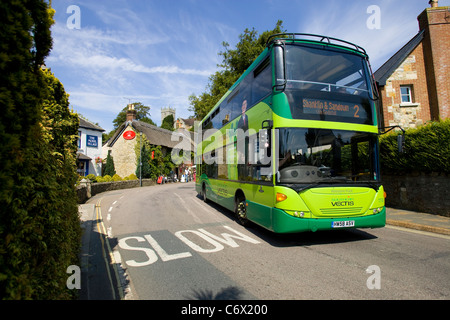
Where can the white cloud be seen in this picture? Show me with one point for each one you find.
(348, 22)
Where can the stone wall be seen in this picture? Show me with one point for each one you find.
(421, 192)
(412, 73)
(87, 190)
(124, 155)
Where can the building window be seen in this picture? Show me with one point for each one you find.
(406, 94)
(79, 139)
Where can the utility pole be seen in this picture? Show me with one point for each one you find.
(140, 158)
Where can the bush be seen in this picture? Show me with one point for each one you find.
(91, 177)
(131, 177)
(427, 150)
(40, 229)
(107, 178)
(116, 177)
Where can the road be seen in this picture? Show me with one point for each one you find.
(169, 244)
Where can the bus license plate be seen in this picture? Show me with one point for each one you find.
(343, 224)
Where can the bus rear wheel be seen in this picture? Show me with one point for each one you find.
(241, 211)
(204, 193)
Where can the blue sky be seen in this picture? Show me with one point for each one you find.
(160, 52)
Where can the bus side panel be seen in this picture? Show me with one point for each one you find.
(259, 208)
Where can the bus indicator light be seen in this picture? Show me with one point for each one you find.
(281, 197)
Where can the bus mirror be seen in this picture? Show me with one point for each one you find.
(401, 143)
(280, 80)
(267, 124)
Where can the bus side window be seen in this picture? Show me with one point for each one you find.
(262, 83)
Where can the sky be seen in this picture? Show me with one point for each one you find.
(108, 53)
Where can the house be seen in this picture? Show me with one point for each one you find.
(89, 148)
(414, 84)
(184, 123)
(122, 145)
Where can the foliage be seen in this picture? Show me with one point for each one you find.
(39, 224)
(109, 166)
(142, 114)
(131, 177)
(426, 150)
(234, 63)
(92, 177)
(116, 177)
(152, 168)
(146, 170)
(105, 178)
(167, 123)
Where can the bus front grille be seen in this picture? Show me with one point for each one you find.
(340, 211)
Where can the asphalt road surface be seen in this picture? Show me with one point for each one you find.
(166, 243)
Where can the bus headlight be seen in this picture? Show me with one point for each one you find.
(377, 210)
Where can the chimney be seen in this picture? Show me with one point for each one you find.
(434, 3)
(131, 113)
(435, 24)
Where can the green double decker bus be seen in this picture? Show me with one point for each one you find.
(293, 144)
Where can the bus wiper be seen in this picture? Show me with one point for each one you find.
(339, 180)
(302, 187)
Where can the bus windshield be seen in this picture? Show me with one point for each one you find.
(330, 85)
(326, 156)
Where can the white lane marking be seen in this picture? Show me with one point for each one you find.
(197, 219)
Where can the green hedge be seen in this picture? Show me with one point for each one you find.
(427, 149)
(39, 223)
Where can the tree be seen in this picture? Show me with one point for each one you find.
(109, 166)
(167, 123)
(146, 157)
(234, 63)
(142, 114)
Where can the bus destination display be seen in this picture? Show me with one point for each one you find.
(333, 108)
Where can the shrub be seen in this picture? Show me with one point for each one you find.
(39, 224)
(427, 150)
(91, 177)
(131, 177)
(116, 177)
(107, 178)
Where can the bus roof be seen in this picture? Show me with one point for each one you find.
(315, 38)
(294, 37)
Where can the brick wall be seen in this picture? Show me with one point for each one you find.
(427, 70)
(436, 22)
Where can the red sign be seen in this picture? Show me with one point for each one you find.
(129, 135)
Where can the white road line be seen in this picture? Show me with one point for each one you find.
(110, 209)
(217, 215)
(197, 219)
